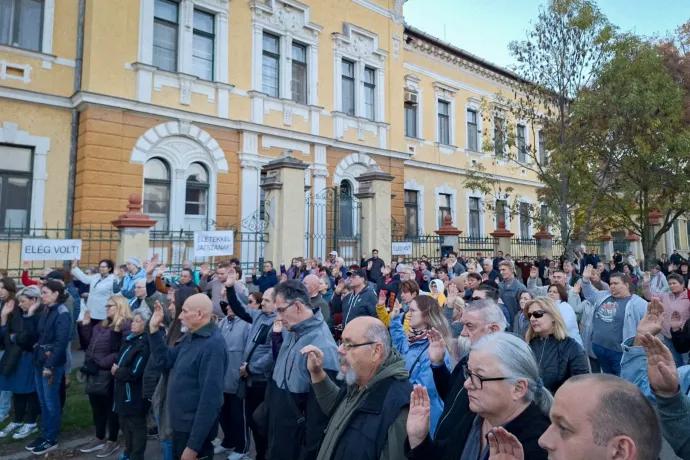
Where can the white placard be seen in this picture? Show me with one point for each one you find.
(47, 249)
(402, 248)
(209, 244)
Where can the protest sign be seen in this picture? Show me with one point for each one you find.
(210, 244)
(402, 248)
(48, 249)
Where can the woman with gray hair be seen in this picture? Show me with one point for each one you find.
(504, 390)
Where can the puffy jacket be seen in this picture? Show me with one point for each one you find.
(129, 398)
(419, 366)
(129, 281)
(265, 281)
(236, 334)
(104, 343)
(558, 360)
(356, 305)
(100, 290)
(54, 325)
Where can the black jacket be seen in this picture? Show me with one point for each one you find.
(354, 306)
(19, 336)
(681, 339)
(558, 360)
(456, 419)
(53, 329)
(376, 267)
(526, 427)
(129, 377)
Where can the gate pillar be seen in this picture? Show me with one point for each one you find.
(284, 187)
(375, 196)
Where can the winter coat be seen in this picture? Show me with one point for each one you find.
(265, 281)
(509, 295)
(558, 360)
(129, 281)
(100, 290)
(356, 305)
(9, 360)
(54, 325)
(16, 367)
(104, 342)
(377, 265)
(236, 334)
(129, 377)
(418, 365)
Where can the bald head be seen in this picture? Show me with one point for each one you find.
(196, 312)
(311, 282)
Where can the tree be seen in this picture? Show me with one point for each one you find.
(562, 54)
(636, 115)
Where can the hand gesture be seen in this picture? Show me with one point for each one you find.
(314, 362)
(243, 371)
(647, 277)
(533, 272)
(283, 277)
(504, 446)
(7, 308)
(156, 317)
(418, 416)
(396, 309)
(382, 298)
(577, 288)
(75, 263)
(116, 271)
(34, 308)
(364, 255)
(369, 265)
(587, 273)
(87, 317)
(277, 326)
(27, 263)
(161, 269)
(485, 277)
(253, 270)
(385, 271)
(661, 368)
(149, 267)
(205, 269)
(653, 321)
(677, 322)
(232, 277)
(452, 295)
(437, 347)
(114, 369)
(339, 288)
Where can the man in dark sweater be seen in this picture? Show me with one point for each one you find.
(195, 387)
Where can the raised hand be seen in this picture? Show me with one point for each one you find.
(661, 368)
(533, 272)
(396, 309)
(369, 265)
(452, 295)
(253, 270)
(577, 288)
(382, 298)
(205, 269)
(26, 264)
(314, 363)
(437, 347)
(232, 277)
(418, 416)
(339, 288)
(647, 277)
(75, 263)
(677, 322)
(156, 317)
(504, 446)
(277, 326)
(653, 321)
(587, 273)
(485, 277)
(87, 317)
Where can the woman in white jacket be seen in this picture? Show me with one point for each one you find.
(101, 287)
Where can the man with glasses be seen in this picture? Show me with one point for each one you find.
(374, 399)
(295, 422)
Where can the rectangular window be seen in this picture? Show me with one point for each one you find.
(411, 213)
(348, 83)
(15, 187)
(521, 144)
(475, 218)
(271, 65)
(369, 93)
(444, 122)
(443, 207)
(202, 45)
(524, 220)
(299, 73)
(542, 149)
(165, 27)
(21, 23)
(501, 206)
(410, 119)
(499, 137)
(472, 131)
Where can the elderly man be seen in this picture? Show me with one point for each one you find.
(312, 283)
(134, 272)
(488, 272)
(558, 277)
(374, 400)
(195, 387)
(510, 287)
(295, 422)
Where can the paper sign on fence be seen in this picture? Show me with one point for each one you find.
(402, 248)
(209, 244)
(48, 249)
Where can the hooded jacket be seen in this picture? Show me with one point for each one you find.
(129, 376)
(558, 360)
(129, 281)
(369, 422)
(265, 281)
(291, 381)
(356, 305)
(236, 335)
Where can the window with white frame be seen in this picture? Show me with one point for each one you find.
(475, 218)
(472, 131)
(16, 175)
(410, 119)
(499, 137)
(444, 122)
(21, 23)
(369, 93)
(543, 159)
(299, 73)
(271, 65)
(524, 216)
(444, 207)
(157, 192)
(544, 216)
(501, 206)
(165, 29)
(348, 86)
(411, 213)
(202, 45)
(522, 143)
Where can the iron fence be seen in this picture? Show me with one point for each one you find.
(559, 248)
(477, 246)
(524, 247)
(99, 241)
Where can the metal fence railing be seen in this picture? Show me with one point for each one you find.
(523, 247)
(477, 246)
(428, 246)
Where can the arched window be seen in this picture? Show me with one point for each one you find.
(157, 192)
(196, 197)
(347, 210)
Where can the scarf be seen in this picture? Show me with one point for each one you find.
(416, 335)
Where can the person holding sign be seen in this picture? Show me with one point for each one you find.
(101, 287)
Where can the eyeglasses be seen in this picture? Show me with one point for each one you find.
(281, 311)
(537, 314)
(477, 381)
(350, 346)
(110, 305)
(472, 299)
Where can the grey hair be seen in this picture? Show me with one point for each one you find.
(517, 362)
(143, 312)
(490, 311)
(32, 292)
(379, 333)
(140, 282)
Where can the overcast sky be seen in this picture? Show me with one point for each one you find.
(486, 27)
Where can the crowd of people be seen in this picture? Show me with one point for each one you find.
(465, 358)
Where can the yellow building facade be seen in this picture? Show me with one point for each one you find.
(183, 101)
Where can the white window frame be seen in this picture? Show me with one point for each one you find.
(46, 51)
(446, 190)
(507, 210)
(482, 227)
(529, 225)
(537, 142)
(412, 185)
(412, 84)
(475, 107)
(445, 93)
(527, 144)
(502, 155)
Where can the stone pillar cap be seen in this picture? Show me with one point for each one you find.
(542, 234)
(632, 237)
(375, 173)
(502, 231)
(448, 229)
(286, 160)
(134, 217)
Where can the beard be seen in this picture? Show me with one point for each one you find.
(184, 329)
(349, 376)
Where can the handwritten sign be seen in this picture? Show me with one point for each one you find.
(46, 249)
(209, 244)
(402, 248)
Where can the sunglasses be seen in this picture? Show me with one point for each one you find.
(536, 314)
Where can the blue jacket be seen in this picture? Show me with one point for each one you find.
(416, 355)
(265, 281)
(129, 281)
(53, 330)
(195, 384)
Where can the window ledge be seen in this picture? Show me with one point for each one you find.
(48, 59)
(446, 148)
(414, 139)
(191, 78)
(357, 119)
(284, 101)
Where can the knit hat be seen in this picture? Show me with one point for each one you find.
(134, 261)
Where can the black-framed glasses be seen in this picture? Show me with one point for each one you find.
(281, 311)
(537, 314)
(475, 298)
(350, 346)
(110, 305)
(478, 381)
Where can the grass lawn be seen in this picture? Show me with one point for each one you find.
(76, 418)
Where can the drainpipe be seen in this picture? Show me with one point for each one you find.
(74, 135)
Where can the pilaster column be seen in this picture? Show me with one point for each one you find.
(186, 38)
(544, 242)
(375, 197)
(503, 237)
(134, 229)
